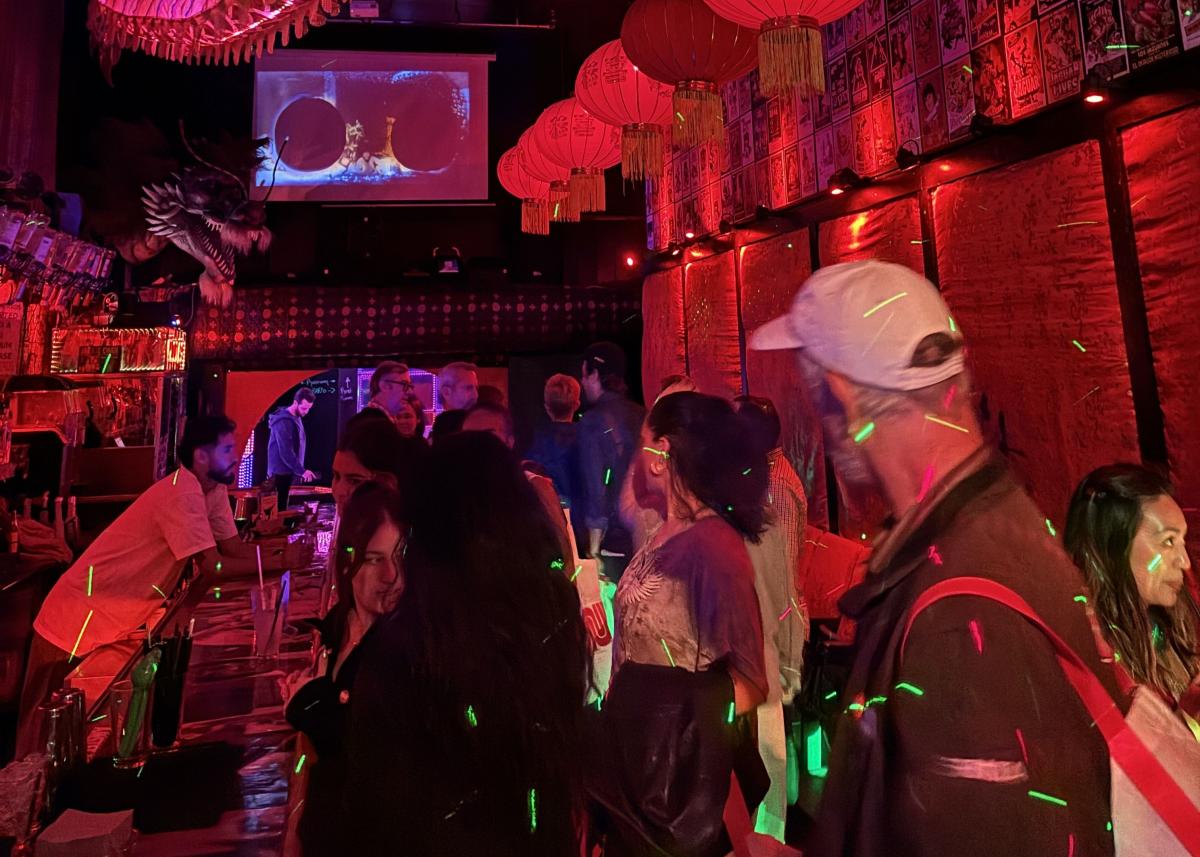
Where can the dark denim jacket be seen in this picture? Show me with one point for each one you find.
(609, 435)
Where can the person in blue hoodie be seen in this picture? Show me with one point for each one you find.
(285, 451)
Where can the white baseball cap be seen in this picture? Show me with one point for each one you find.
(865, 320)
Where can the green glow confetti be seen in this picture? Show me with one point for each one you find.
(934, 419)
(1050, 527)
(732, 712)
(967, 69)
(876, 700)
(1109, 828)
(107, 360)
(532, 810)
(578, 569)
(1081, 599)
(679, 116)
(300, 764)
(471, 716)
(557, 564)
(1047, 798)
(175, 478)
(746, 472)
(159, 591)
(856, 706)
(911, 688)
(814, 753)
(830, 695)
(219, 567)
(667, 649)
(608, 476)
(865, 432)
(98, 719)
(880, 306)
(953, 326)
(1156, 636)
(1078, 223)
(660, 453)
(78, 639)
(1154, 563)
(1121, 47)
(91, 568)
(1079, 345)
(217, 592)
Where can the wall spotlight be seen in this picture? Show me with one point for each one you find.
(630, 261)
(907, 158)
(843, 180)
(1096, 88)
(689, 235)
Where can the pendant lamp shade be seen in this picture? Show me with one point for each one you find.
(573, 138)
(533, 193)
(536, 164)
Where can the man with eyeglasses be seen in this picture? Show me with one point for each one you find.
(390, 389)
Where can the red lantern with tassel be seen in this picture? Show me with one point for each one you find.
(789, 38)
(686, 44)
(573, 138)
(533, 193)
(614, 90)
(534, 161)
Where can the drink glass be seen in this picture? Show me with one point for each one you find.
(129, 716)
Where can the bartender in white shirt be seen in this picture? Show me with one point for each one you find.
(124, 576)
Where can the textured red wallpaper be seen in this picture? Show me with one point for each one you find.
(891, 232)
(664, 349)
(1164, 193)
(710, 304)
(771, 273)
(1025, 263)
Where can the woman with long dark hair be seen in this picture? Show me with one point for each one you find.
(1126, 532)
(467, 712)
(369, 573)
(688, 650)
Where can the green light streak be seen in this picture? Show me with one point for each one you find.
(1050, 527)
(608, 476)
(659, 452)
(864, 432)
(300, 764)
(911, 688)
(732, 712)
(814, 753)
(78, 639)
(831, 695)
(471, 716)
(1079, 345)
(1154, 563)
(1081, 599)
(953, 326)
(1057, 801)
(107, 360)
(880, 306)
(217, 592)
(934, 419)
(668, 651)
(91, 568)
(578, 569)
(159, 591)
(746, 472)
(532, 810)
(876, 700)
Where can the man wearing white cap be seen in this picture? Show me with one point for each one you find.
(965, 738)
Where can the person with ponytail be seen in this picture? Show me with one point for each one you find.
(1126, 532)
(688, 651)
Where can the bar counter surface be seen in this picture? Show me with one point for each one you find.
(223, 788)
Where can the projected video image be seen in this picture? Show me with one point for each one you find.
(363, 127)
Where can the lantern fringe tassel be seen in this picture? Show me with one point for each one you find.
(587, 189)
(535, 216)
(641, 152)
(562, 208)
(699, 113)
(790, 55)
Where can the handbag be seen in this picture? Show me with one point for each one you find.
(1155, 760)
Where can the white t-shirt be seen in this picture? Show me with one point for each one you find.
(136, 562)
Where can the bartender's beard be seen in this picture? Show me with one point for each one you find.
(225, 477)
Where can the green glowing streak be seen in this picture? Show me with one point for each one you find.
(1123, 47)
(864, 432)
(746, 472)
(608, 476)
(911, 688)
(107, 360)
(91, 568)
(831, 695)
(578, 569)
(1154, 563)
(218, 568)
(856, 706)
(300, 764)
(532, 810)
(814, 753)
(175, 478)
(880, 306)
(557, 564)
(967, 68)
(729, 717)
(658, 452)
(1081, 599)
(1047, 798)
(953, 326)
(1079, 345)
(159, 591)
(471, 716)
(1109, 828)
(1156, 636)
(934, 419)
(98, 719)
(668, 651)
(680, 116)
(79, 639)
(876, 700)
(217, 593)
(1050, 527)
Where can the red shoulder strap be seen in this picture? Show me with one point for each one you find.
(1125, 748)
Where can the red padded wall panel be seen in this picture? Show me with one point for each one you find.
(710, 304)
(664, 349)
(1025, 263)
(1164, 193)
(890, 232)
(771, 273)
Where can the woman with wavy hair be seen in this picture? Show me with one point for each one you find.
(1126, 532)
(688, 650)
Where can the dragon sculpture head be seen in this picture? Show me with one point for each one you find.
(207, 213)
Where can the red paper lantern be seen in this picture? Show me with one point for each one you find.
(789, 40)
(533, 193)
(684, 43)
(573, 138)
(534, 161)
(614, 90)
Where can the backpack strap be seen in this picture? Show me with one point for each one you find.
(1125, 747)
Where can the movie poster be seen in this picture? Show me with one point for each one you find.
(960, 100)
(1016, 13)
(774, 126)
(835, 37)
(1027, 87)
(762, 183)
(843, 141)
(1189, 16)
(747, 123)
(883, 133)
(743, 192)
(985, 20)
(900, 43)
(778, 182)
(1045, 6)
(1062, 53)
(879, 66)
(804, 117)
(756, 95)
(1102, 27)
(838, 92)
(821, 104)
(991, 80)
(728, 195)
(895, 8)
(745, 85)
(952, 24)
(860, 89)
(1151, 26)
(761, 143)
(729, 97)
(864, 148)
(908, 118)
(791, 173)
(808, 168)
(826, 157)
(733, 145)
(787, 118)
(931, 101)
(876, 17)
(856, 26)
(927, 51)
